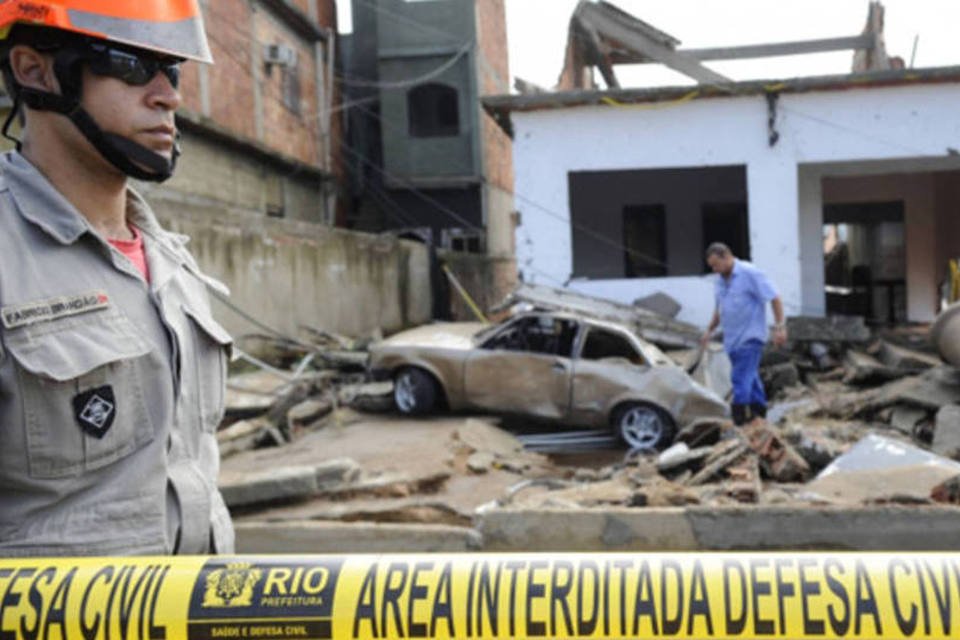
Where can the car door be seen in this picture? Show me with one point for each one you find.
(599, 373)
(525, 368)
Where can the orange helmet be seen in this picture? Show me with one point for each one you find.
(171, 27)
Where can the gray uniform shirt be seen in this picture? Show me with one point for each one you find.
(111, 388)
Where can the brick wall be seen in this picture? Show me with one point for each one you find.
(241, 95)
(494, 75)
(292, 131)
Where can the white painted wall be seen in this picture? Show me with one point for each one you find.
(818, 128)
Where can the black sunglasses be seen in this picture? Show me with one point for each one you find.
(136, 68)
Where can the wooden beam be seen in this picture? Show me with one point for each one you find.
(857, 43)
(611, 28)
(782, 48)
(598, 56)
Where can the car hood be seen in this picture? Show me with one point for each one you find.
(442, 335)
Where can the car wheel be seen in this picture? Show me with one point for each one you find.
(643, 427)
(414, 391)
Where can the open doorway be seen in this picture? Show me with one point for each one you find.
(864, 249)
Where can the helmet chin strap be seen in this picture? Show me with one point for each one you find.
(129, 157)
(133, 159)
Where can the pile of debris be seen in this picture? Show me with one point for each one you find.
(857, 418)
(285, 388)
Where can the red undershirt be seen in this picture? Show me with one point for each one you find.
(133, 249)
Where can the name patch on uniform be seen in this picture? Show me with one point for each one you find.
(53, 308)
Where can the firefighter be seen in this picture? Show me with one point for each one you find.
(112, 368)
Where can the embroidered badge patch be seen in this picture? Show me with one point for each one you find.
(45, 310)
(95, 410)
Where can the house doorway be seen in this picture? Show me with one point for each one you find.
(864, 249)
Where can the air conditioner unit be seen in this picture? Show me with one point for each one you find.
(280, 55)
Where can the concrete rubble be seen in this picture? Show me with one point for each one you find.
(858, 420)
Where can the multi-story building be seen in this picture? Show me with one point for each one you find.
(421, 152)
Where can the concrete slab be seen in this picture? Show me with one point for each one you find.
(339, 537)
(913, 528)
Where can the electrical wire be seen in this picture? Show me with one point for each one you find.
(405, 84)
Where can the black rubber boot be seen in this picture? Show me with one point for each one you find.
(758, 410)
(740, 413)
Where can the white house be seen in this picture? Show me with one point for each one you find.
(620, 191)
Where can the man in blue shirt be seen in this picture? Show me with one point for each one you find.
(742, 292)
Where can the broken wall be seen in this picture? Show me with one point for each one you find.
(289, 274)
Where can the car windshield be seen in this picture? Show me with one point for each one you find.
(485, 332)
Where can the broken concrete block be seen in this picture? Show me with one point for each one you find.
(282, 483)
(480, 461)
(348, 393)
(336, 472)
(907, 360)
(393, 485)
(946, 434)
(878, 468)
(779, 377)
(905, 418)
(660, 304)
(935, 388)
(862, 368)
(479, 435)
(832, 329)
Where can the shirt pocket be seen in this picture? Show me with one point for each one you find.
(211, 349)
(74, 370)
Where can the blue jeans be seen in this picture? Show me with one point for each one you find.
(745, 376)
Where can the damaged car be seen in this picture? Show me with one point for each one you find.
(554, 366)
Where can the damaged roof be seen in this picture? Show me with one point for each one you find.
(501, 106)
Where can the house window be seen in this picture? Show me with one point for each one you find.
(644, 241)
(286, 59)
(726, 222)
(290, 87)
(434, 111)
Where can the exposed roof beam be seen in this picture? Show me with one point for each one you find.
(862, 42)
(637, 40)
(782, 48)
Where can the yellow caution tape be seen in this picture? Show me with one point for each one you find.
(798, 596)
(463, 294)
(687, 97)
